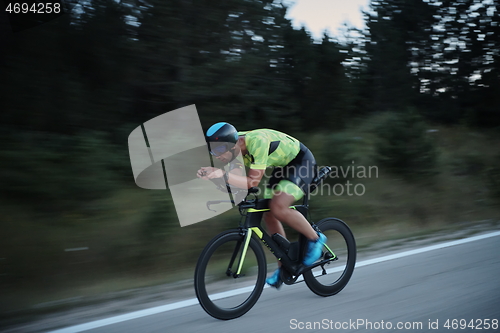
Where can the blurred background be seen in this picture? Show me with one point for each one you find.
(415, 93)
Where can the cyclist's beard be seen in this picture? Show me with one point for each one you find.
(226, 160)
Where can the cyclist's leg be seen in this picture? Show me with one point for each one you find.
(298, 175)
(273, 224)
(280, 208)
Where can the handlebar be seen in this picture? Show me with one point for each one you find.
(216, 202)
(243, 204)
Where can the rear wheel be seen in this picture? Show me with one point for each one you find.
(340, 248)
(222, 292)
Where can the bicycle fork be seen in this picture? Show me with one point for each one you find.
(243, 253)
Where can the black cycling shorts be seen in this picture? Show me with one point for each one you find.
(294, 178)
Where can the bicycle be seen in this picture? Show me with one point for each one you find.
(235, 259)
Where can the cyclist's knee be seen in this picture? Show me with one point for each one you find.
(280, 204)
(270, 219)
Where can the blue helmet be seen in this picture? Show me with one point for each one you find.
(221, 137)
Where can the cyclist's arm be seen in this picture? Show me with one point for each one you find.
(253, 179)
(237, 171)
(258, 146)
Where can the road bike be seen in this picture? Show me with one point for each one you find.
(231, 270)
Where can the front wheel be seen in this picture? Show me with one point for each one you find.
(229, 279)
(340, 251)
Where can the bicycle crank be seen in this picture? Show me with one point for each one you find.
(287, 278)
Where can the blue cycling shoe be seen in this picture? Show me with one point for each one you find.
(275, 280)
(314, 250)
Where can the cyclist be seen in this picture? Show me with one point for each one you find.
(294, 169)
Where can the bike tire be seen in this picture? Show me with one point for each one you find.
(210, 276)
(338, 273)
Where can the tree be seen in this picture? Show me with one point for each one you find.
(404, 147)
(398, 51)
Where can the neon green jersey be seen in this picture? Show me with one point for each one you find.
(267, 147)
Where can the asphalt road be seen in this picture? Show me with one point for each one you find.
(419, 292)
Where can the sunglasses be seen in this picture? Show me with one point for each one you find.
(219, 150)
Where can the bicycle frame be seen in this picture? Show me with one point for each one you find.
(252, 226)
(246, 257)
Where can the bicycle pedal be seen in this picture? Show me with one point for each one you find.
(277, 285)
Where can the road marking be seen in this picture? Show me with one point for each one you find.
(76, 249)
(427, 249)
(193, 301)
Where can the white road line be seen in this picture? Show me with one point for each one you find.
(427, 249)
(179, 305)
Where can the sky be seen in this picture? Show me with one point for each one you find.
(318, 15)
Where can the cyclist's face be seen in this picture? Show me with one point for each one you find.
(226, 157)
(229, 155)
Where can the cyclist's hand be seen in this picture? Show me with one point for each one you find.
(202, 173)
(209, 173)
(216, 173)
